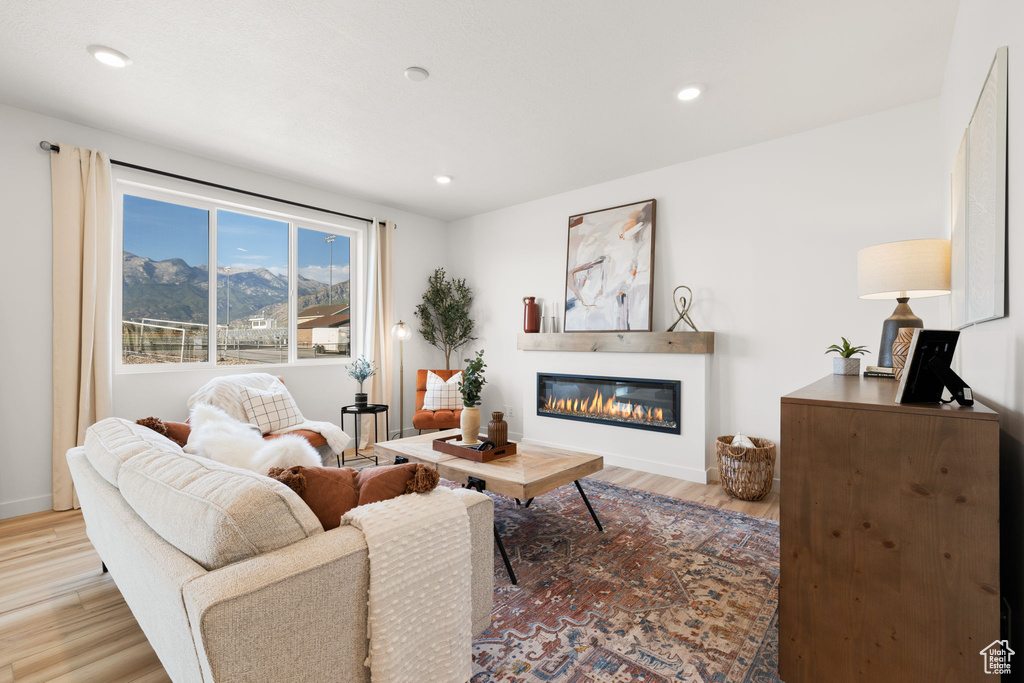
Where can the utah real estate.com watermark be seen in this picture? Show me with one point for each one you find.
(997, 657)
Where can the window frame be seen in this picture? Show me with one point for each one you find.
(134, 183)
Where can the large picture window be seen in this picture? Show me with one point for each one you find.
(165, 275)
(281, 290)
(324, 302)
(252, 289)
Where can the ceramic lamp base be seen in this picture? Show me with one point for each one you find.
(901, 317)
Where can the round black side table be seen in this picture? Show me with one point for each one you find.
(374, 409)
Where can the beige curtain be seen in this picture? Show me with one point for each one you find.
(380, 312)
(82, 263)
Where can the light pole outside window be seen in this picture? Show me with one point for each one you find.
(329, 239)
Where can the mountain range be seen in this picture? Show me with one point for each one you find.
(173, 290)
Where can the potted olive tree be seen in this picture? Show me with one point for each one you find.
(472, 383)
(846, 364)
(444, 314)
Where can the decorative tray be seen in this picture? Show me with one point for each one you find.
(453, 446)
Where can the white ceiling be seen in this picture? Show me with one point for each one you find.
(526, 98)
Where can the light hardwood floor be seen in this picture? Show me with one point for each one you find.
(61, 619)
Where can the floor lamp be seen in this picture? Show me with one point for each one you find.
(401, 331)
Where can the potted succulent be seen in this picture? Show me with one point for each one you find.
(472, 383)
(846, 364)
(361, 370)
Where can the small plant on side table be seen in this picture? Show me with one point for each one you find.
(846, 364)
(472, 384)
(361, 370)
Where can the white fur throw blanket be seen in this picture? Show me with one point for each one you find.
(223, 392)
(218, 436)
(420, 609)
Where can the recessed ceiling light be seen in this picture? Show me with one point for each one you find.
(691, 92)
(443, 179)
(415, 73)
(109, 56)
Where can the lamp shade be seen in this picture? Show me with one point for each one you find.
(401, 331)
(912, 268)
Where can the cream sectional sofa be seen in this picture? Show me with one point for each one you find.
(229, 574)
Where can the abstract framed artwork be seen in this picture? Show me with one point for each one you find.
(958, 238)
(978, 207)
(610, 269)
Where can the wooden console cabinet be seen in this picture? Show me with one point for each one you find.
(890, 536)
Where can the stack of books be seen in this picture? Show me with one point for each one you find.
(876, 371)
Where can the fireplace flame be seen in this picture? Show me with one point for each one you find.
(599, 406)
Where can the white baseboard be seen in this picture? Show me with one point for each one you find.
(25, 506)
(640, 464)
(713, 476)
(652, 467)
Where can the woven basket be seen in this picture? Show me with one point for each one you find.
(746, 473)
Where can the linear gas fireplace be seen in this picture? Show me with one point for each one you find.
(651, 404)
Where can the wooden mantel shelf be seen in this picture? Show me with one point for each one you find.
(623, 342)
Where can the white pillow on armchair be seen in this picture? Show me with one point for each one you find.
(442, 395)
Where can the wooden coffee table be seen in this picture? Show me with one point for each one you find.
(529, 473)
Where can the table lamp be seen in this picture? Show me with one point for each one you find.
(901, 270)
(401, 331)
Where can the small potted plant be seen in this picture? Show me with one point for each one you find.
(472, 383)
(846, 364)
(361, 370)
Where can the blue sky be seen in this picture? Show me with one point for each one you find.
(161, 230)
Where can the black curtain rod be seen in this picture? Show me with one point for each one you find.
(47, 146)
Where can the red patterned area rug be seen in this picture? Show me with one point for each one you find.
(671, 591)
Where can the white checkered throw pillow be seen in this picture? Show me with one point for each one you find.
(442, 395)
(270, 411)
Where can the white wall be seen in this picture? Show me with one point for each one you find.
(991, 354)
(25, 307)
(767, 238)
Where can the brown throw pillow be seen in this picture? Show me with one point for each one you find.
(178, 432)
(390, 481)
(175, 431)
(330, 492)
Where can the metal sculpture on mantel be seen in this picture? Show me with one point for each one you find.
(682, 305)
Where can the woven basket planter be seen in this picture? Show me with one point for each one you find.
(746, 473)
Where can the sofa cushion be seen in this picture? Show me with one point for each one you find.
(111, 442)
(214, 513)
(315, 439)
(437, 419)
